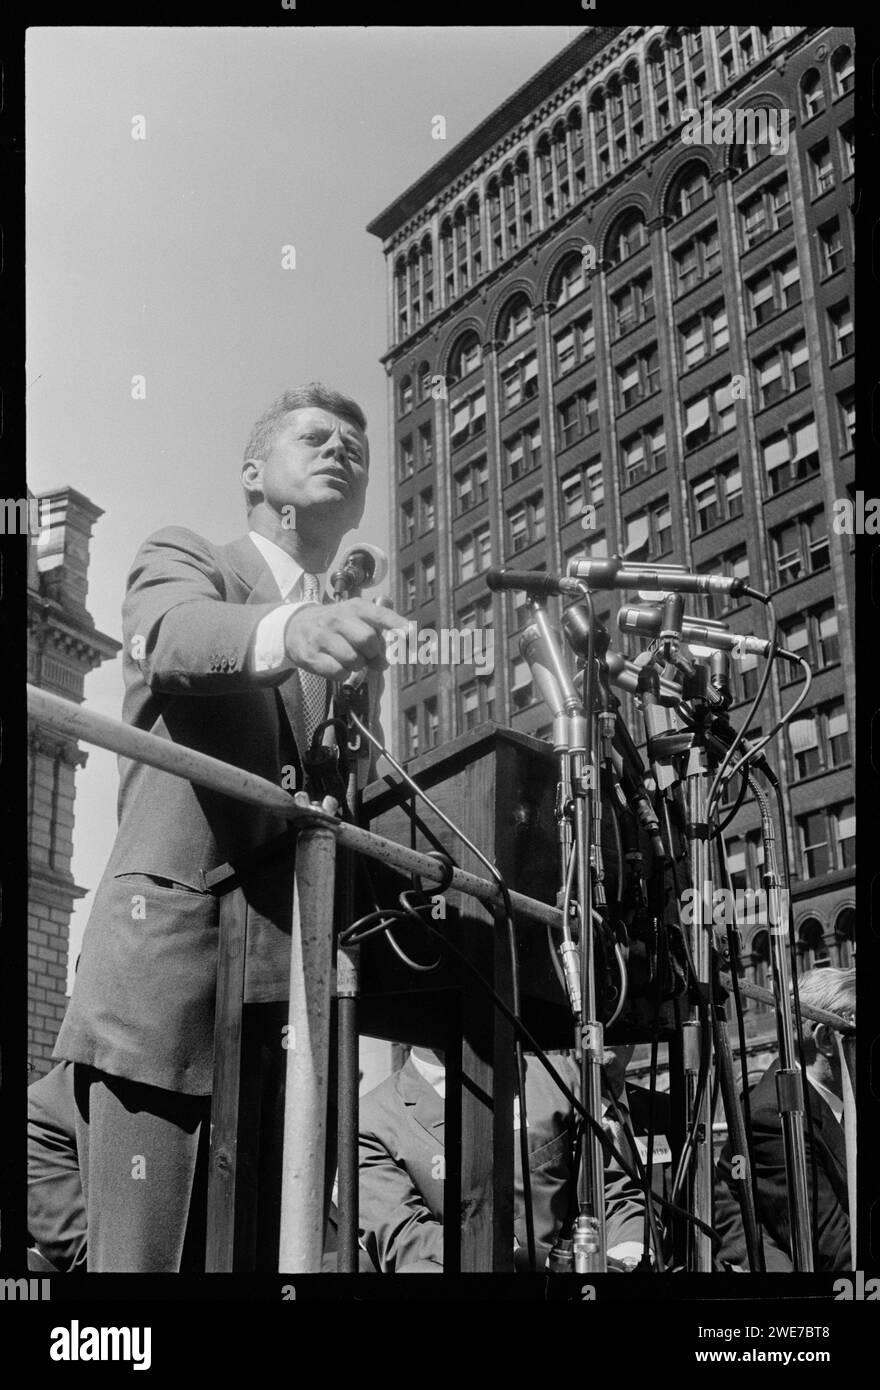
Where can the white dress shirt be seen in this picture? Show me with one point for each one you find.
(269, 651)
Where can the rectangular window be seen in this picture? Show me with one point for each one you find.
(831, 246)
(821, 168)
(841, 321)
(407, 461)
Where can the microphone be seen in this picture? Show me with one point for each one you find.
(625, 675)
(576, 626)
(534, 581)
(531, 645)
(362, 567)
(646, 620)
(613, 574)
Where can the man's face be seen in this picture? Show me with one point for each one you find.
(318, 461)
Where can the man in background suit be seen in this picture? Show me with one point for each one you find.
(835, 991)
(227, 649)
(402, 1166)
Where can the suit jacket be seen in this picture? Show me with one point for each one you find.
(143, 1000)
(402, 1169)
(832, 1233)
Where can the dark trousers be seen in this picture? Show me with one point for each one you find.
(143, 1161)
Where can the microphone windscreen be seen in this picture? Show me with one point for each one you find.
(362, 554)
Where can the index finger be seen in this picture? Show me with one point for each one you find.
(384, 618)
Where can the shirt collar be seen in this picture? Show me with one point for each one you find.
(433, 1072)
(834, 1103)
(286, 571)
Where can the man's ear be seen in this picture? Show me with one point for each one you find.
(824, 1040)
(252, 475)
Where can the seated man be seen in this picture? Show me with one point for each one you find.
(835, 991)
(402, 1167)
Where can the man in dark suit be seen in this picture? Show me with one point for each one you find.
(227, 649)
(402, 1168)
(833, 990)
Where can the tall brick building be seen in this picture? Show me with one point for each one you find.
(63, 646)
(606, 340)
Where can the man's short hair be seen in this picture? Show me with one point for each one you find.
(271, 422)
(830, 989)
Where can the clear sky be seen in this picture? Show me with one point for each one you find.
(162, 257)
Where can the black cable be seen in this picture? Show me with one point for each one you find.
(734, 812)
(607, 1144)
(753, 708)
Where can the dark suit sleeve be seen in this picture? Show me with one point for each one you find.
(401, 1234)
(180, 628)
(833, 1222)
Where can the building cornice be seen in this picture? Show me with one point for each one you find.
(497, 127)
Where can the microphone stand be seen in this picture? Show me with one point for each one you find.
(789, 1081)
(577, 780)
(663, 746)
(347, 700)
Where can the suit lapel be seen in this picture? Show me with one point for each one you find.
(421, 1101)
(830, 1134)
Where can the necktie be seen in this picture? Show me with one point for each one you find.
(312, 687)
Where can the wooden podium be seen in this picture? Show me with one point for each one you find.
(499, 787)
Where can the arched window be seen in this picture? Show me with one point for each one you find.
(474, 237)
(845, 936)
(576, 153)
(675, 51)
(446, 257)
(415, 296)
(568, 279)
(508, 204)
(523, 177)
(632, 93)
(424, 380)
(843, 70)
(615, 97)
(812, 94)
(516, 319)
(460, 238)
(627, 236)
(693, 41)
(466, 356)
(811, 944)
(493, 208)
(599, 114)
(693, 190)
(544, 167)
(404, 395)
(656, 65)
(400, 297)
(427, 258)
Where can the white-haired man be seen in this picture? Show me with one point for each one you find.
(835, 992)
